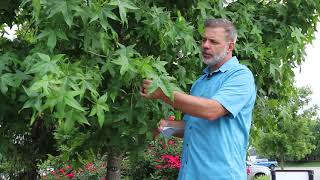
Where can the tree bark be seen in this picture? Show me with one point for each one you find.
(114, 165)
(282, 162)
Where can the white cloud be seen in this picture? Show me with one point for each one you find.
(310, 69)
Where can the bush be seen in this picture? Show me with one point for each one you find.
(161, 160)
(95, 170)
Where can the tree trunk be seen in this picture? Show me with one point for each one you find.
(28, 175)
(282, 162)
(114, 165)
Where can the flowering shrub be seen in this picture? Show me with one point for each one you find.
(89, 171)
(161, 161)
(164, 157)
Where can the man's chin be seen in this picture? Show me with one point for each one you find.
(206, 60)
(209, 63)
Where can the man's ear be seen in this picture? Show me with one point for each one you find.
(231, 46)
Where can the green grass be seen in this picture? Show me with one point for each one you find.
(303, 164)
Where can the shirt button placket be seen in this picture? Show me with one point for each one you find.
(190, 128)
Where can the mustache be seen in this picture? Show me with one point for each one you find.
(206, 52)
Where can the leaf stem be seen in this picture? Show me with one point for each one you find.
(100, 55)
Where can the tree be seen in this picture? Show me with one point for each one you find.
(290, 135)
(315, 154)
(74, 71)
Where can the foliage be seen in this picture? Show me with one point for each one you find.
(262, 178)
(315, 154)
(74, 71)
(8, 9)
(291, 135)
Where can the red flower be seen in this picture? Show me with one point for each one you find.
(103, 178)
(70, 175)
(171, 161)
(62, 171)
(158, 167)
(171, 142)
(171, 118)
(68, 167)
(88, 166)
(164, 146)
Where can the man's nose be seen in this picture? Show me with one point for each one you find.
(205, 44)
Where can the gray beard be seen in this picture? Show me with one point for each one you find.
(216, 59)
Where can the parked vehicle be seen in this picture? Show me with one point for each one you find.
(266, 163)
(254, 171)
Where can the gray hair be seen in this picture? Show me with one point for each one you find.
(230, 30)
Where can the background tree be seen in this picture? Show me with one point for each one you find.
(315, 154)
(73, 72)
(290, 132)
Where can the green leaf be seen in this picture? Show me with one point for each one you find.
(65, 7)
(69, 121)
(36, 7)
(166, 88)
(44, 57)
(123, 62)
(159, 65)
(296, 33)
(69, 100)
(101, 115)
(9, 79)
(29, 103)
(52, 41)
(143, 129)
(100, 108)
(203, 5)
(62, 35)
(46, 65)
(33, 118)
(123, 5)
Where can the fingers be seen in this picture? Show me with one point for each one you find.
(144, 87)
(147, 81)
(162, 123)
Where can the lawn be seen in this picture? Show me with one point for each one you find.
(303, 164)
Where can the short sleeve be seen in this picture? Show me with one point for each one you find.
(236, 91)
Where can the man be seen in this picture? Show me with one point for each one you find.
(218, 112)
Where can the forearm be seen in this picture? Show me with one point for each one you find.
(196, 106)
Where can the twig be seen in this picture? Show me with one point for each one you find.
(100, 55)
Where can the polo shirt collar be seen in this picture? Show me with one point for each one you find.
(225, 67)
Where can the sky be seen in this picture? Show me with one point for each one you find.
(310, 69)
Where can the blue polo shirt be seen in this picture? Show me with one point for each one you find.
(216, 150)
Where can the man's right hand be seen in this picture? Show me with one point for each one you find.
(162, 123)
(178, 125)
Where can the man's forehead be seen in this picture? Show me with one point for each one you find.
(215, 32)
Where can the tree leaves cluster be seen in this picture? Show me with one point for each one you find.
(290, 133)
(76, 65)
